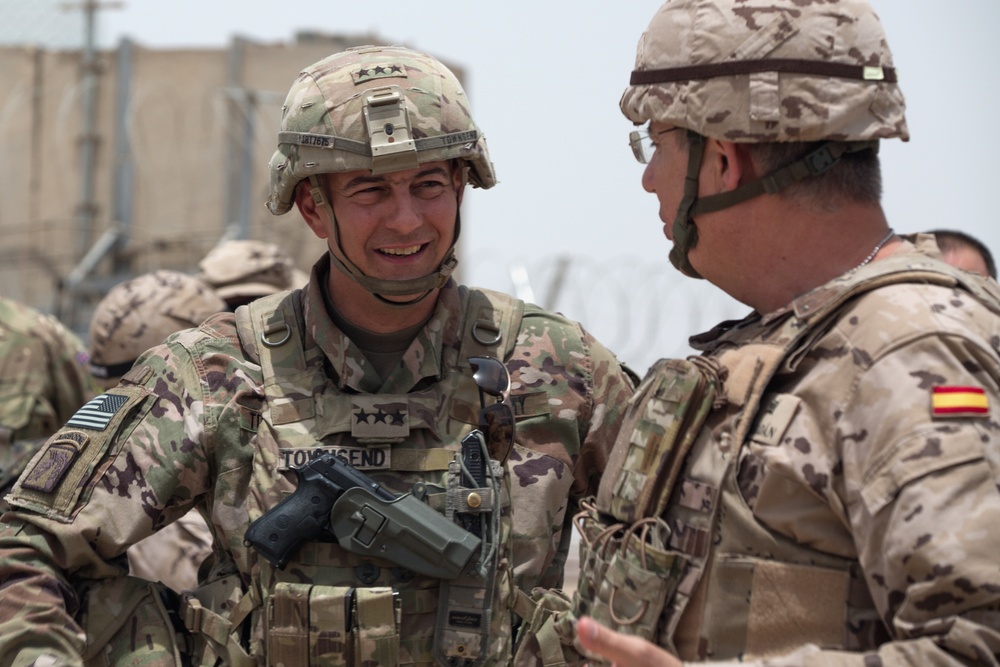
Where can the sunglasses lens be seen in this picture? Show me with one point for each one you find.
(490, 375)
(497, 422)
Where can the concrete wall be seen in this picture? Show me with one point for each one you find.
(182, 139)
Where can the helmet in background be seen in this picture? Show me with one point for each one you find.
(242, 270)
(140, 313)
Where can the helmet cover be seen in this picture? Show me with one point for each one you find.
(380, 108)
(767, 71)
(140, 313)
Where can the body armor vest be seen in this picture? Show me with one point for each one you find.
(332, 607)
(682, 561)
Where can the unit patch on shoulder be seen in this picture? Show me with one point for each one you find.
(97, 414)
(55, 459)
(954, 401)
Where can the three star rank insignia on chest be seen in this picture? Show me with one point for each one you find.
(379, 417)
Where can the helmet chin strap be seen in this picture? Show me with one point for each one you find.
(379, 287)
(684, 230)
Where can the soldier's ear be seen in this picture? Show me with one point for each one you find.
(725, 166)
(310, 210)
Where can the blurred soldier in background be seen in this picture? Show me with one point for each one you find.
(965, 252)
(43, 381)
(389, 461)
(131, 318)
(243, 270)
(820, 486)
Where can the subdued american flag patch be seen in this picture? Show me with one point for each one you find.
(98, 413)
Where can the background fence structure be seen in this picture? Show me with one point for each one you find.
(120, 161)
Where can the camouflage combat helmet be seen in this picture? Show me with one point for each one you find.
(241, 270)
(758, 71)
(139, 313)
(380, 108)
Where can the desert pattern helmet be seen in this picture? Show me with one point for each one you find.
(139, 313)
(381, 108)
(768, 70)
(240, 270)
(764, 71)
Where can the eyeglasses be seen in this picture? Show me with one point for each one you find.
(496, 420)
(642, 143)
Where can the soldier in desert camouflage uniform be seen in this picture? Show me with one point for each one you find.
(369, 362)
(820, 486)
(131, 318)
(43, 381)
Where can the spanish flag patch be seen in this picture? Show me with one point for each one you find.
(959, 402)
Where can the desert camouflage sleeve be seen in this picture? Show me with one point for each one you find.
(914, 478)
(92, 491)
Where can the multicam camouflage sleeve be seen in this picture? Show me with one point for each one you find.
(73, 384)
(132, 462)
(889, 456)
(44, 375)
(547, 467)
(179, 432)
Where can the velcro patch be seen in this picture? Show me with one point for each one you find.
(97, 413)
(379, 418)
(773, 418)
(530, 404)
(362, 458)
(379, 72)
(954, 401)
(55, 461)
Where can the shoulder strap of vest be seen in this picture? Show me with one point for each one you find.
(492, 322)
(635, 485)
(271, 322)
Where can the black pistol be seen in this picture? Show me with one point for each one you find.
(335, 498)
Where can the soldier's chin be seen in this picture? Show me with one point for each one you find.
(405, 299)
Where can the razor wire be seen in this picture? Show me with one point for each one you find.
(641, 310)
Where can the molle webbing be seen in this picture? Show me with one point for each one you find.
(272, 331)
(706, 478)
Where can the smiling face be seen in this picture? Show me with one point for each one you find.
(394, 226)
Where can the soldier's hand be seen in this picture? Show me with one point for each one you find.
(623, 650)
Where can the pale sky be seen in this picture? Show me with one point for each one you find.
(545, 77)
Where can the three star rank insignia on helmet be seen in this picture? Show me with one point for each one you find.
(379, 72)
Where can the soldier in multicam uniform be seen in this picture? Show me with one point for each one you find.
(369, 362)
(241, 270)
(820, 486)
(134, 316)
(43, 381)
